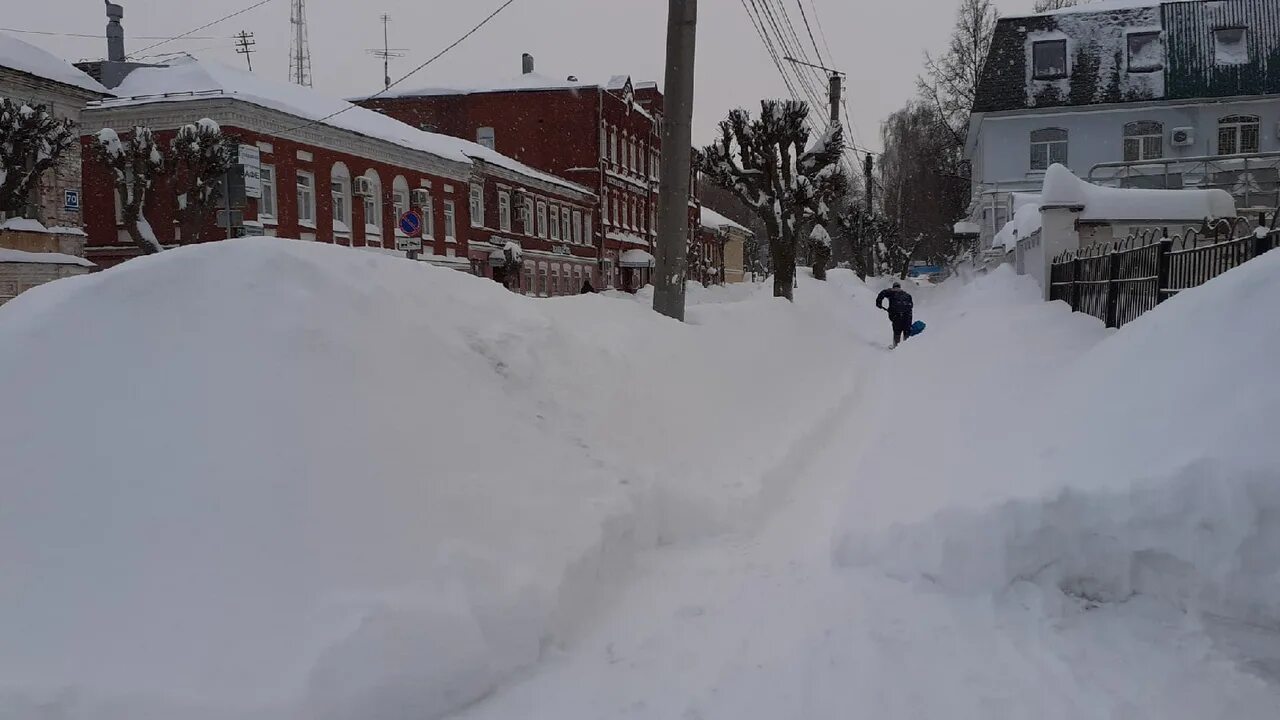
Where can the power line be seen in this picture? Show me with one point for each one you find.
(91, 36)
(758, 23)
(809, 28)
(821, 33)
(430, 60)
(254, 6)
(805, 79)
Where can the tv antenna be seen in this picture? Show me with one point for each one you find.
(386, 52)
(244, 46)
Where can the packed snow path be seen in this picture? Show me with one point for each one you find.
(762, 624)
(352, 505)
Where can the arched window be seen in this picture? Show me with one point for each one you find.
(400, 199)
(1048, 146)
(340, 188)
(1238, 134)
(373, 206)
(1143, 140)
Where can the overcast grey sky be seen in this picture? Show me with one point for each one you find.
(879, 44)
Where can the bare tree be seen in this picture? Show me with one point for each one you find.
(200, 155)
(134, 164)
(924, 188)
(950, 82)
(32, 140)
(789, 183)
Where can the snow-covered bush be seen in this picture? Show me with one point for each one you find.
(820, 251)
(200, 157)
(790, 183)
(32, 140)
(134, 163)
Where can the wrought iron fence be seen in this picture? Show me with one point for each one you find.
(1117, 282)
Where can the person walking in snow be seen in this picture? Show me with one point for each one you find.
(900, 306)
(587, 289)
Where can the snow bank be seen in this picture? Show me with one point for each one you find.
(1098, 469)
(21, 256)
(1025, 223)
(25, 57)
(1063, 189)
(256, 479)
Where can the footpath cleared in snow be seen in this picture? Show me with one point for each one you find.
(408, 494)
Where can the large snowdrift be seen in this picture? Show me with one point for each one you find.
(1143, 466)
(265, 478)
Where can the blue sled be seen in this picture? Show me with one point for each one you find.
(917, 327)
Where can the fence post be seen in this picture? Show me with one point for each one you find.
(1113, 274)
(1261, 241)
(1075, 283)
(1162, 267)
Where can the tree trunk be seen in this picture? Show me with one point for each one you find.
(784, 267)
(132, 217)
(821, 257)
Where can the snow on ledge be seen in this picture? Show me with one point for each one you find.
(34, 226)
(1064, 189)
(22, 256)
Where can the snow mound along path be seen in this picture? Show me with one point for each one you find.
(1146, 466)
(268, 478)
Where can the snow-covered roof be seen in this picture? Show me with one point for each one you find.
(965, 227)
(1062, 188)
(636, 258)
(528, 82)
(618, 82)
(187, 78)
(716, 221)
(27, 58)
(1096, 7)
(22, 256)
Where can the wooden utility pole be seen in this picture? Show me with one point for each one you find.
(244, 46)
(677, 165)
(868, 180)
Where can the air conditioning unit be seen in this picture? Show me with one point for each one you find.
(364, 187)
(1183, 137)
(419, 198)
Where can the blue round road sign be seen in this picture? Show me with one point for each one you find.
(411, 223)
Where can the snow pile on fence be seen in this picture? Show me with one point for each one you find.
(1064, 189)
(265, 478)
(1025, 223)
(1097, 469)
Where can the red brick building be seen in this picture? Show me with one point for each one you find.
(605, 137)
(333, 172)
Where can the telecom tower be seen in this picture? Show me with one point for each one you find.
(299, 47)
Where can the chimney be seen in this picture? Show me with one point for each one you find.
(115, 32)
(526, 64)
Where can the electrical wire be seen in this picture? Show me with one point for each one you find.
(103, 37)
(224, 18)
(430, 60)
(805, 16)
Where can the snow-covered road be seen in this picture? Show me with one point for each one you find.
(763, 624)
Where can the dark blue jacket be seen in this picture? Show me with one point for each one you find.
(900, 303)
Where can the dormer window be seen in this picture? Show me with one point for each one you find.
(1049, 59)
(1145, 52)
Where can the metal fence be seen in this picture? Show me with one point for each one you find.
(1118, 282)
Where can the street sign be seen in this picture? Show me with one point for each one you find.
(71, 200)
(250, 159)
(411, 226)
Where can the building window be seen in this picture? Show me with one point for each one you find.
(1143, 141)
(566, 223)
(1238, 134)
(504, 211)
(555, 281)
(528, 280)
(1230, 46)
(428, 216)
(555, 223)
(1049, 59)
(373, 204)
(399, 199)
(485, 137)
(1145, 52)
(613, 146)
(577, 227)
(1048, 146)
(267, 203)
(477, 206)
(616, 214)
(542, 282)
(450, 222)
(653, 166)
(542, 219)
(588, 231)
(528, 216)
(306, 199)
(653, 218)
(604, 209)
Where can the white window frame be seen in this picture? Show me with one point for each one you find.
(542, 220)
(504, 210)
(588, 230)
(373, 205)
(1153, 36)
(428, 218)
(340, 194)
(477, 205)
(617, 213)
(566, 223)
(1049, 146)
(306, 198)
(577, 227)
(554, 213)
(1236, 125)
(268, 203)
(530, 217)
(450, 221)
(1140, 136)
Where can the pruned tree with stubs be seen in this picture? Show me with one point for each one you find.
(134, 163)
(32, 141)
(199, 157)
(788, 179)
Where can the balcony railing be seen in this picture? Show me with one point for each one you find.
(1253, 179)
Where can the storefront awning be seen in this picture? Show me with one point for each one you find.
(636, 259)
